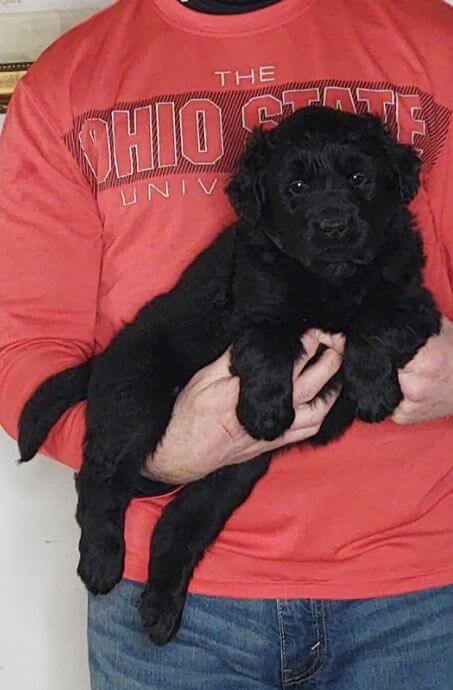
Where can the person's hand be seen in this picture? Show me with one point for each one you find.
(204, 434)
(427, 380)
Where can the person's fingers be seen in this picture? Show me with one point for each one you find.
(334, 340)
(307, 422)
(310, 345)
(312, 413)
(309, 418)
(312, 379)
(221, 366)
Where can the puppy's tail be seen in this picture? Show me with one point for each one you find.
(44, 408)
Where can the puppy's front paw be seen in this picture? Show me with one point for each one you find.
(379, 402)
(161, 614)
(371, 381)
(267, 419)
(101, 566)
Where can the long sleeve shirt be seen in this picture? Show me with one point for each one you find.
(115, 153)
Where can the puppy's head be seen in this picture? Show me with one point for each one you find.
(324, 186)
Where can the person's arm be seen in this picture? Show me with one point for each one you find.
(50, 258)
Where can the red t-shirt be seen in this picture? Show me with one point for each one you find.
(114, 157)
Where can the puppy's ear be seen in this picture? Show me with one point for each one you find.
(247, 188)
(406, 168)
(404, 162)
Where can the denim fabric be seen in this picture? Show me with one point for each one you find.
(401, 642)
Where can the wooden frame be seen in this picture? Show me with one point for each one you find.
(10, 73)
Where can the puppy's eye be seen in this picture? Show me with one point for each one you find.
(297, 187)
(357, 179)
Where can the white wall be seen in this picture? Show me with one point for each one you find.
(42, 601)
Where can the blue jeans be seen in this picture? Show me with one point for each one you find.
(402, 642)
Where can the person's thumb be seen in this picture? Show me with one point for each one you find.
(334, 340)
(219, 368)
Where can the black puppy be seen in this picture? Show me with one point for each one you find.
(324, 239)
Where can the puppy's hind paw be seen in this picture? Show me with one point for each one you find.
(161, 614)
(101, 568)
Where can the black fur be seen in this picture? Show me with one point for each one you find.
(324, 239)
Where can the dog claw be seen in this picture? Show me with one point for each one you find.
(161, 615)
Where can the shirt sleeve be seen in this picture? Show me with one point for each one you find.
(50, 259)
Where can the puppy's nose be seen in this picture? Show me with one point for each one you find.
(333, 227)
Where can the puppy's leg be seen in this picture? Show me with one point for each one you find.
(371, 380)
(381, 342)
(100, 513)
(131, 395)
(263, 357)
(188, 525)
(122, 429)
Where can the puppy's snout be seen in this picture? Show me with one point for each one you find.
(334, 228)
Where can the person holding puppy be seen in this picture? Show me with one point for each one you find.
(337, 571)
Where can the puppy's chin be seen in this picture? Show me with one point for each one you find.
(333, 272)
(340, 268)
